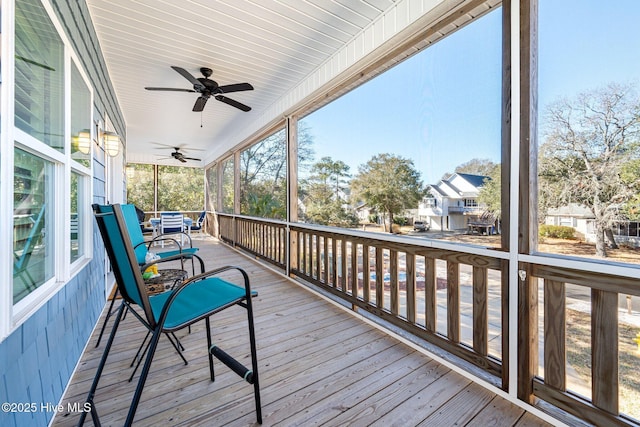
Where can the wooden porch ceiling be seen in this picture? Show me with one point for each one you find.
(319, 365)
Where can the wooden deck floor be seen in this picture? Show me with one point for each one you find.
(318, 366)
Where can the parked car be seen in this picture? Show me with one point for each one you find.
(420, 226)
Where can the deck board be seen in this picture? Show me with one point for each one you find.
(319, 365)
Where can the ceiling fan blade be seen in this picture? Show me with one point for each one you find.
(182, 159)
(200, 103)
(233, 103)
(170, 89)
(184, 73)
(237, 87)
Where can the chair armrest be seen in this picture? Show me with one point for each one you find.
(160, 237)
(176, 257)
(184, 285)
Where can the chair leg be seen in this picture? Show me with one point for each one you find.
(254, 360)
(207, 323)
(106, 319)
(144, 341)
(143, 376)
(96, 378)
(177, 345)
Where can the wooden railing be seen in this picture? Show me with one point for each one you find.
(457, 298)
(266, 240)
(600, 301)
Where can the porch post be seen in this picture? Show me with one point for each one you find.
(528, 199)
(291, 258)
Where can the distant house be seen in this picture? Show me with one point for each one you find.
(453, 202)
(583, 221)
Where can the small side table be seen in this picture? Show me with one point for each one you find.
(167, 279)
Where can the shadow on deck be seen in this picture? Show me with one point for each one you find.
(319, 365)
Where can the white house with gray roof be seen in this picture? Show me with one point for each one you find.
(453, 202)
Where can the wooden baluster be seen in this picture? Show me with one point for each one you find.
(393, 283)
(453, 301)
(366, 266)
(325, 248)
(343, 266)
(318, 259)
(604, 351)
(411, 287)
(555, 322)
(430, 282)
(379, 278)
(334, 262)
(354, 270)
(480, 320)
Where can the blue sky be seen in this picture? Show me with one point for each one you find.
(441, 107)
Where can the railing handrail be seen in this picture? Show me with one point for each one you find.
(384, 237)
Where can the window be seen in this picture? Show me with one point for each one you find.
(39, 75)
(141, 186)
(407, 118)
(51, 160)
(263, 185)
(227, 186)
(180, 189)
(430, 203)
(589, 83)
(33, 230)
(80, 118)
(211, 176)
(77, 227)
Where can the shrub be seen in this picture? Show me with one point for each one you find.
(400, 220)
(557, 231)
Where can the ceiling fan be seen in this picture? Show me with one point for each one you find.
(179, 156)
(207, 88)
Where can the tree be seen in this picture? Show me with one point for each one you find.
(180, 188)
(630, 175)
(326, 194)
(490, 194)
(332, 173)
(263, 169)
(589, 140)
(478, 167)
(389, 184)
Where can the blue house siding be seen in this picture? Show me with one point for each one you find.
(38, 358)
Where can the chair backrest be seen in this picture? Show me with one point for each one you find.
(31, 241)
(201, 218)
(137, 238)
(171, 223)
(115, 234)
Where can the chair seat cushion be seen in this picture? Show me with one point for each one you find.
(198, 299)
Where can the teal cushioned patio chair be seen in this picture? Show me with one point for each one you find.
(195, 299)
(141, 248)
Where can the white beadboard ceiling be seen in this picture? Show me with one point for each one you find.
(273, 44)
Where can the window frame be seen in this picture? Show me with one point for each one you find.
(63, 165)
